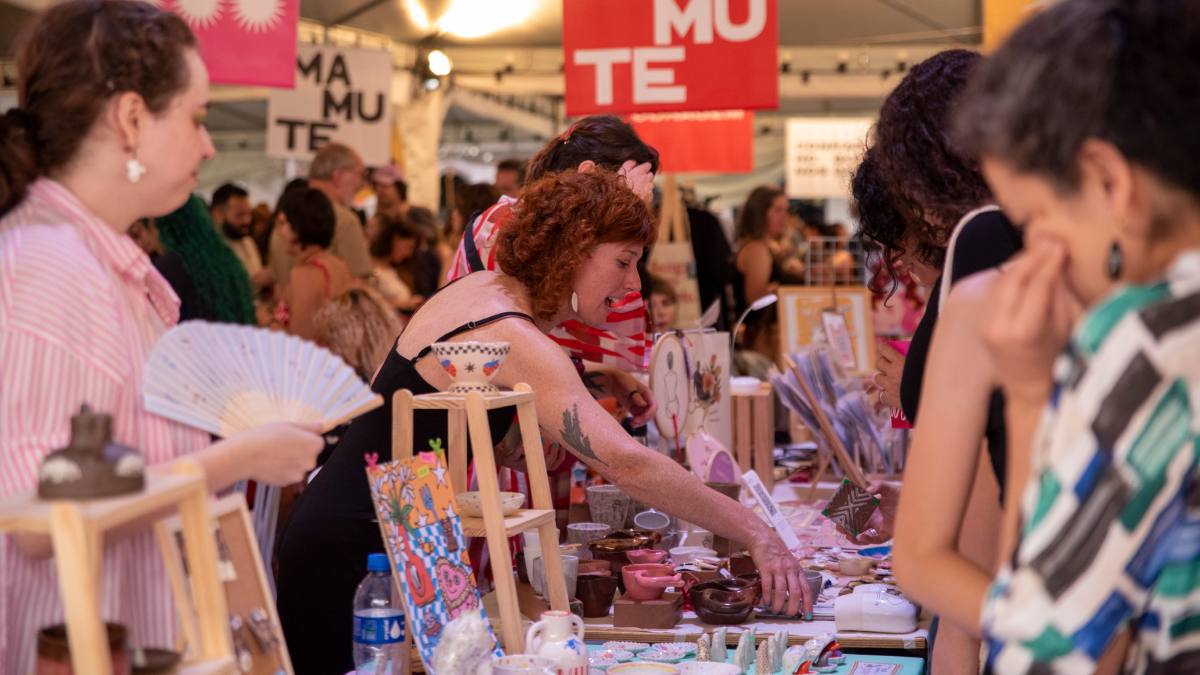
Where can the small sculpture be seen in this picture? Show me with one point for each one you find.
(762, 660)
(792, 658)
(779, 648)
(704, 648)
(91, 466)
(720, 645)
(744, 655)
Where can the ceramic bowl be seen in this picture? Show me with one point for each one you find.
(648, 581)
(471, 365)
(646, 555)
(727, 601)
(469, 503)
(596, 593)
(616, 545)
(681, 555)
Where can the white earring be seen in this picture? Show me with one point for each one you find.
(134, 170)
(574, 301)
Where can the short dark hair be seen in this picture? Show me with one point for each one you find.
(391, 228)
(310, 215)
(1119, 70)
(227, 191)
(752, 221)
(423, 221)
(932, 183)
(401, 189)
(605, 139)
(513, 165)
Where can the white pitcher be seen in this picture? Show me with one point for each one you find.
(559, 636)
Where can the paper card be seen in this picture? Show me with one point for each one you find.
(851, 507)
(423, 534)
(838, 335)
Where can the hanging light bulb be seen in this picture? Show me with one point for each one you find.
(439, 63)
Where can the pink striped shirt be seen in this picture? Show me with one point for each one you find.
(80, 309)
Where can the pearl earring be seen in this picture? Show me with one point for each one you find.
(574, 301)
(134, 170)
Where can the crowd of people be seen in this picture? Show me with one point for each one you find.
(1043, 201)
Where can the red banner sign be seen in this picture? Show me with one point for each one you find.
(250, 42)
(625, 56)
(720, 141)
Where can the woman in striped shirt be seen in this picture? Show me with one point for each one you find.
(110, 128)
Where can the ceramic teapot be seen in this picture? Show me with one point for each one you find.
(559, 636)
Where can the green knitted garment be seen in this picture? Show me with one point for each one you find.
(220, 279)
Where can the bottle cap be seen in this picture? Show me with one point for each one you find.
(378, 562)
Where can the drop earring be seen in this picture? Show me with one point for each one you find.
(134, 170)
(574, 302)
(1115, 263)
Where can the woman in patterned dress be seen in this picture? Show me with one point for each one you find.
(1083, 123)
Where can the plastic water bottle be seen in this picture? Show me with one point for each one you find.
(380, 647)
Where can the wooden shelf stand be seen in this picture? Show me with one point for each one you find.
(467, 415)
(77, 530)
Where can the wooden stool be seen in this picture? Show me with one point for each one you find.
(77, 530)
(754, 432)
(467, 413)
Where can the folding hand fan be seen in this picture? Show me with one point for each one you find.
(225, 378)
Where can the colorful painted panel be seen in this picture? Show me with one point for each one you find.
(423, 533)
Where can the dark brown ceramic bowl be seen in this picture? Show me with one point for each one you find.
(723, 603)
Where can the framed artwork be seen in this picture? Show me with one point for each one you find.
(802, 321)
(423, 533)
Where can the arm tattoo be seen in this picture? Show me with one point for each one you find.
(572, 435)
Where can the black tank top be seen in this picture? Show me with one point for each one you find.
(340, 489)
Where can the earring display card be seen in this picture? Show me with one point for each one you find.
(423, 533)
(851, 507)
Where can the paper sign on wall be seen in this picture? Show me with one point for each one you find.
(628, 56)
(342, 94)
(821, 153)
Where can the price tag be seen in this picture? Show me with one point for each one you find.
(771, 509)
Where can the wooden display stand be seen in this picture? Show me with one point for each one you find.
(77, 530)
(245, 584)
(467, 413)
(754, 432)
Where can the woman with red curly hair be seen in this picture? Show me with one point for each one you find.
(570, 252)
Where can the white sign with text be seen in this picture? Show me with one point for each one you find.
(342, 94)
(822, 153)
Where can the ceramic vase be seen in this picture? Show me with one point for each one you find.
(559, 637)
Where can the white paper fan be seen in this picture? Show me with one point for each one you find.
(224, 378)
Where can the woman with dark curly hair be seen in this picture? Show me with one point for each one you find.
(570, 252)
(947, 229)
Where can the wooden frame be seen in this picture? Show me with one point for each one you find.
(800, 309)
(247, 590)
(77, 529)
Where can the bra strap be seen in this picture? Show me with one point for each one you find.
(472, 325)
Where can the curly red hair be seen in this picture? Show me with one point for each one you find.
(557, 225)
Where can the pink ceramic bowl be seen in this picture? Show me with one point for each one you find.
(646, 555)
(647, 581)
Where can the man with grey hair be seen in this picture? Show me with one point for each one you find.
(336, 170)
